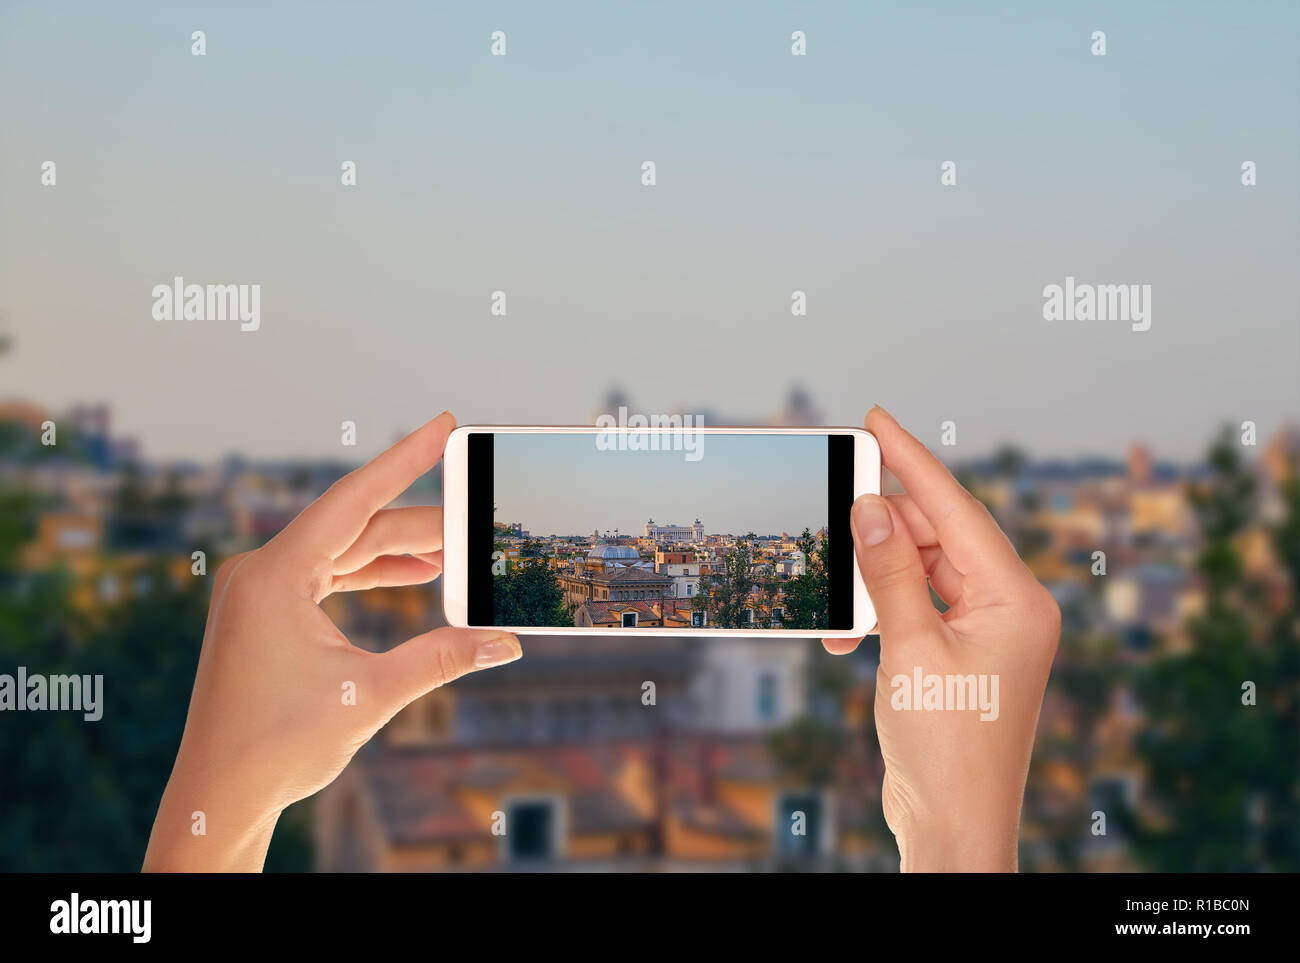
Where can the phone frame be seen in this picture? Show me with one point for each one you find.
(455, 525)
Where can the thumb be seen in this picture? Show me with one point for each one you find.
(891, 568)
(435, 658)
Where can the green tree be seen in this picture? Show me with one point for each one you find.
(807, 594)
(724, 595)
(767, 591)
(530, 595)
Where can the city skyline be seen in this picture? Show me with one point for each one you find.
(563, 484)
(603, 531)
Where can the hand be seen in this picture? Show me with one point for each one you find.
(270, 721)
(954, 782)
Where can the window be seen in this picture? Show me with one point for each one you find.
(778, 615)
(76, 538)
(749, 615)
(556, 721)
(800, 824)
(1111, 792)
(437, 722)
(697, 620)
(768, 703)
(530, 831)
(581, 719)
(689, 588)
(616, 715)
(495, 720)
(518, 717)
(109, 587)
(629, 620)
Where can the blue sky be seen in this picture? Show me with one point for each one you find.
(776, 174)
(566, 485)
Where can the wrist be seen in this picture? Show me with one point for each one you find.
(984, 845)
(201, 828)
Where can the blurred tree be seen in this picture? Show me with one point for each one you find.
(807, 750)
(1277, 820)
(1085, 674)
(17, 526)
(136, 519)
(86, 792)
(1009, 461)
(1222, 775)
(1018, 516)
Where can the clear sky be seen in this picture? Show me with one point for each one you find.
(775, 173)
(566, 485)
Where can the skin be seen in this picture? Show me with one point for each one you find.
(268, 724)
(953, 784)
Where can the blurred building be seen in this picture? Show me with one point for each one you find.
(564, 746)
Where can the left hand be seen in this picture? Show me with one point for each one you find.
(281, 699)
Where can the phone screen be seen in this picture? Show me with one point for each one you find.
(688, 532)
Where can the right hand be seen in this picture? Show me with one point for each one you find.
(953, 783)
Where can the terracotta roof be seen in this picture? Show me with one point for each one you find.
(716, 818)
(678, 610)
(609, 611)
(595, 812)
(579, 668)
(626, 575)
(414, 801)
(415, 788)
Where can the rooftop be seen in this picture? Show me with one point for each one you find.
(614, 554)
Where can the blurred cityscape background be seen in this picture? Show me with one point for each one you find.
(127, 160)
(1143, 718)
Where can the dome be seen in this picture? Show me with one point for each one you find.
(613, 554)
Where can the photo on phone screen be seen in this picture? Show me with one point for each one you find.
(729, 531)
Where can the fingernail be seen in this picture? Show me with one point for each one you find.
(497, 651)
(871, 520)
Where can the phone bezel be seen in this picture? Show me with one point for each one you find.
(455, 520)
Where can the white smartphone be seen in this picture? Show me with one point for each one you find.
(665, 530)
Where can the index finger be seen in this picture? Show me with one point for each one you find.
(967, 532)
(329, 525)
